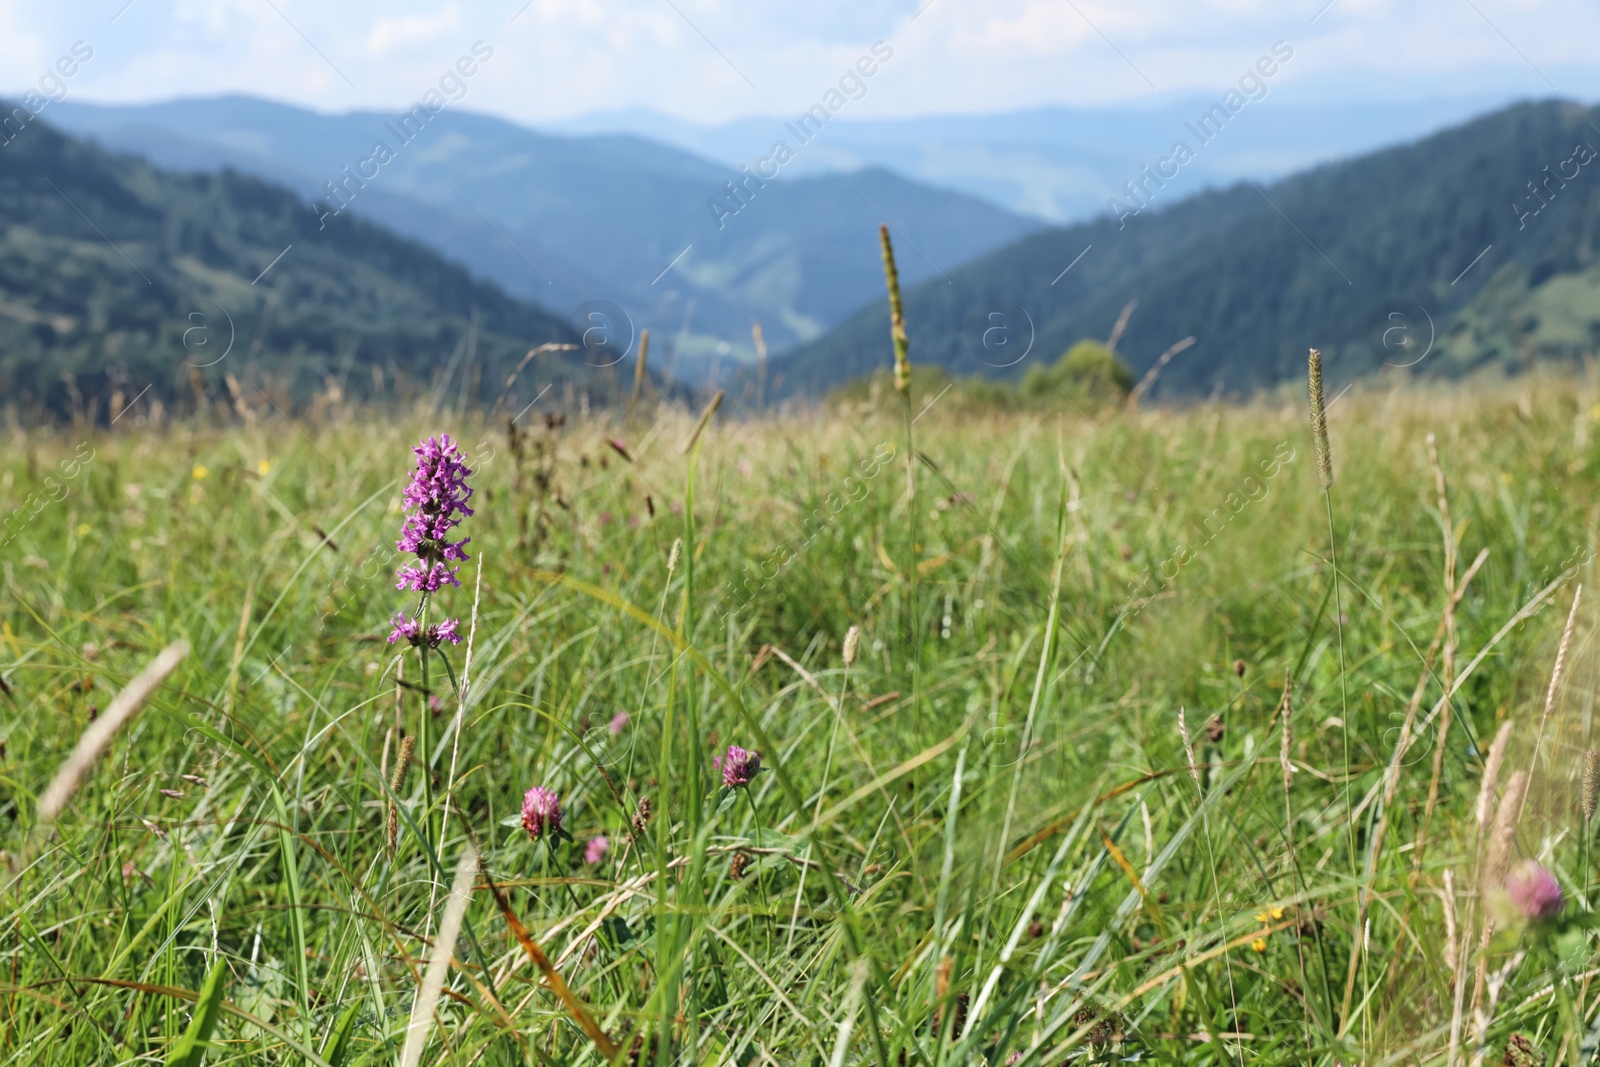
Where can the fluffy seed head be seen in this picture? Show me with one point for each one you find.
(1319, 420)
(1491, 774)
(852, 644)
(1188, 747)
(672, 557)
(541, 812)
(1591, 782)
(1504, 833)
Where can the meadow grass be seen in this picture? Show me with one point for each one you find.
(985, 841)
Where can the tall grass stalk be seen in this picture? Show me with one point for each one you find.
(1324, 457)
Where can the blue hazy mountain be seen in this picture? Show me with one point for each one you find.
(568, 219)
(1061, 164)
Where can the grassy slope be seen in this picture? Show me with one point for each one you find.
(276, 859)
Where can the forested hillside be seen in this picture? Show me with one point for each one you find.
(1480, 238)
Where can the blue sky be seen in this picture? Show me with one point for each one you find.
(716, 60)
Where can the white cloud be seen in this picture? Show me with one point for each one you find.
(691, 58)
(389, 34)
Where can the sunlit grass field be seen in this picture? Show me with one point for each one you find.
(983, 841)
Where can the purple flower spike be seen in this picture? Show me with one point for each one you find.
(437, 495)
(619, 723)
(1534, 892)
(739, 767)
(596, 849)
(433, 636)
(541, 812)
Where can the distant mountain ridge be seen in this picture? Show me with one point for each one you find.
(565, 219)
(1061, 164)
(1441, 232)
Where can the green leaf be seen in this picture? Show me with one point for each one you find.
(338, 1044)
(190, 1051)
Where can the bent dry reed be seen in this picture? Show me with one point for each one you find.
(618, 880)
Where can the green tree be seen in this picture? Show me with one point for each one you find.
(1088, 372)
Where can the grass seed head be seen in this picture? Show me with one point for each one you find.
(1591, 782)
(402, 764)
(1319, 420)
(897, 317)
(1491, 774)
(852, 644)
(100, 732)
(1188, 747)
(1503, 836)
(397, 782)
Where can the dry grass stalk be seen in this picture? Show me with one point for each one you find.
(461, 696)
(1287, 767)
(639, 370)
(761, 363)
(1120, 326)
(1149, 379)
(1502, 837)
(705, 417)
(1452, 960)
(444, 945)
(603, 1044)
(1451, 598)
(99, 733)
(1557, 673)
